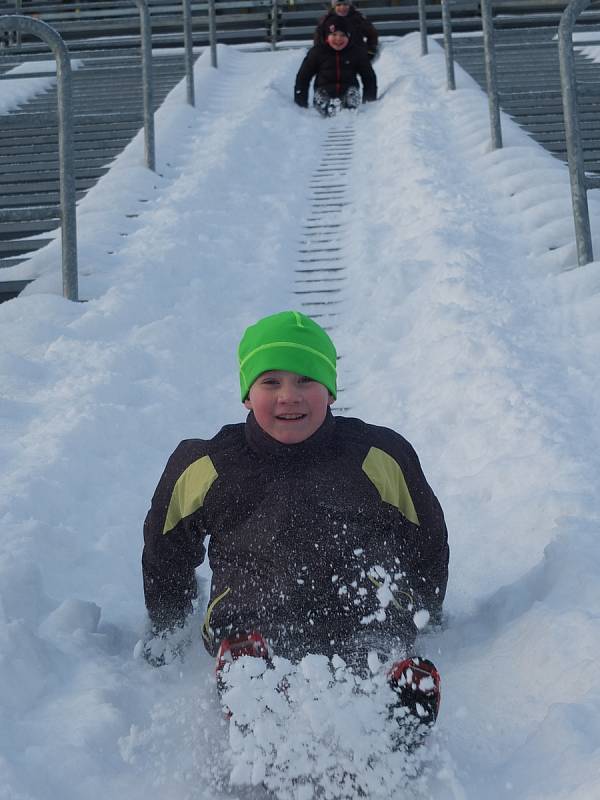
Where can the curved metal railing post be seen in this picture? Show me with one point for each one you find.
(188, 43)
(66, 154)
(212, 32)
(490, 72)
(423, 26)
(147, 83)
(449, 52)
(568, 81)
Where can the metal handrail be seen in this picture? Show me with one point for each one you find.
(66, 153)
(188, 43)
(212, 27)
(423, 26)
(448, 49)
(147, 84)
(274, 32)
(568, 82)
(487, 24)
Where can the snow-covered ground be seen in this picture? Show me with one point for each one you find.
(463, 324)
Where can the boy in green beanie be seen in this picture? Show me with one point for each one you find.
(325, 536)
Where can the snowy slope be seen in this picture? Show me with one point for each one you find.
(463, 326)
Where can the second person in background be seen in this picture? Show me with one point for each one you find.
(362, 32)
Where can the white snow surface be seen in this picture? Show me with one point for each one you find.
(464, 324)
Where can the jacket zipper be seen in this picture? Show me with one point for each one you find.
(338, 74)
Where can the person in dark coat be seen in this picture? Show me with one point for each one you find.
(362, 31)
(325, 536)
(335, 67)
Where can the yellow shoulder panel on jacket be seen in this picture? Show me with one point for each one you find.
(387, 477)
(189, 492)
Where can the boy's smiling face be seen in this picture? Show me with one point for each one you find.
(287, 406)
(337, 40)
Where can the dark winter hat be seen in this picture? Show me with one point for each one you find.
(341, 2)
(337, 24)
(287, 341)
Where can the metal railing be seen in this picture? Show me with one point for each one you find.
(147, 87)
(66, 153)
(237, 21)
(103, 24)
(212, 32)
(579, 181)
(487, 24)
(571, 91)
(423, 27)
(26, 26)
(448, 48)
(188, 43)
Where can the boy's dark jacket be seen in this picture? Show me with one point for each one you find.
(295, 531)
(362, 31)
(335, 71)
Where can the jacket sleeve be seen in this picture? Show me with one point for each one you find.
(307, 71)
(432, 572)
(428, 576)
(169, 559)
(426, 555)
(368, 77)
(371, 36)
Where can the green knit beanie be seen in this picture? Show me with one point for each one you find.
(287, 341)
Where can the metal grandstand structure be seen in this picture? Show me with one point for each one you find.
(108, 87)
